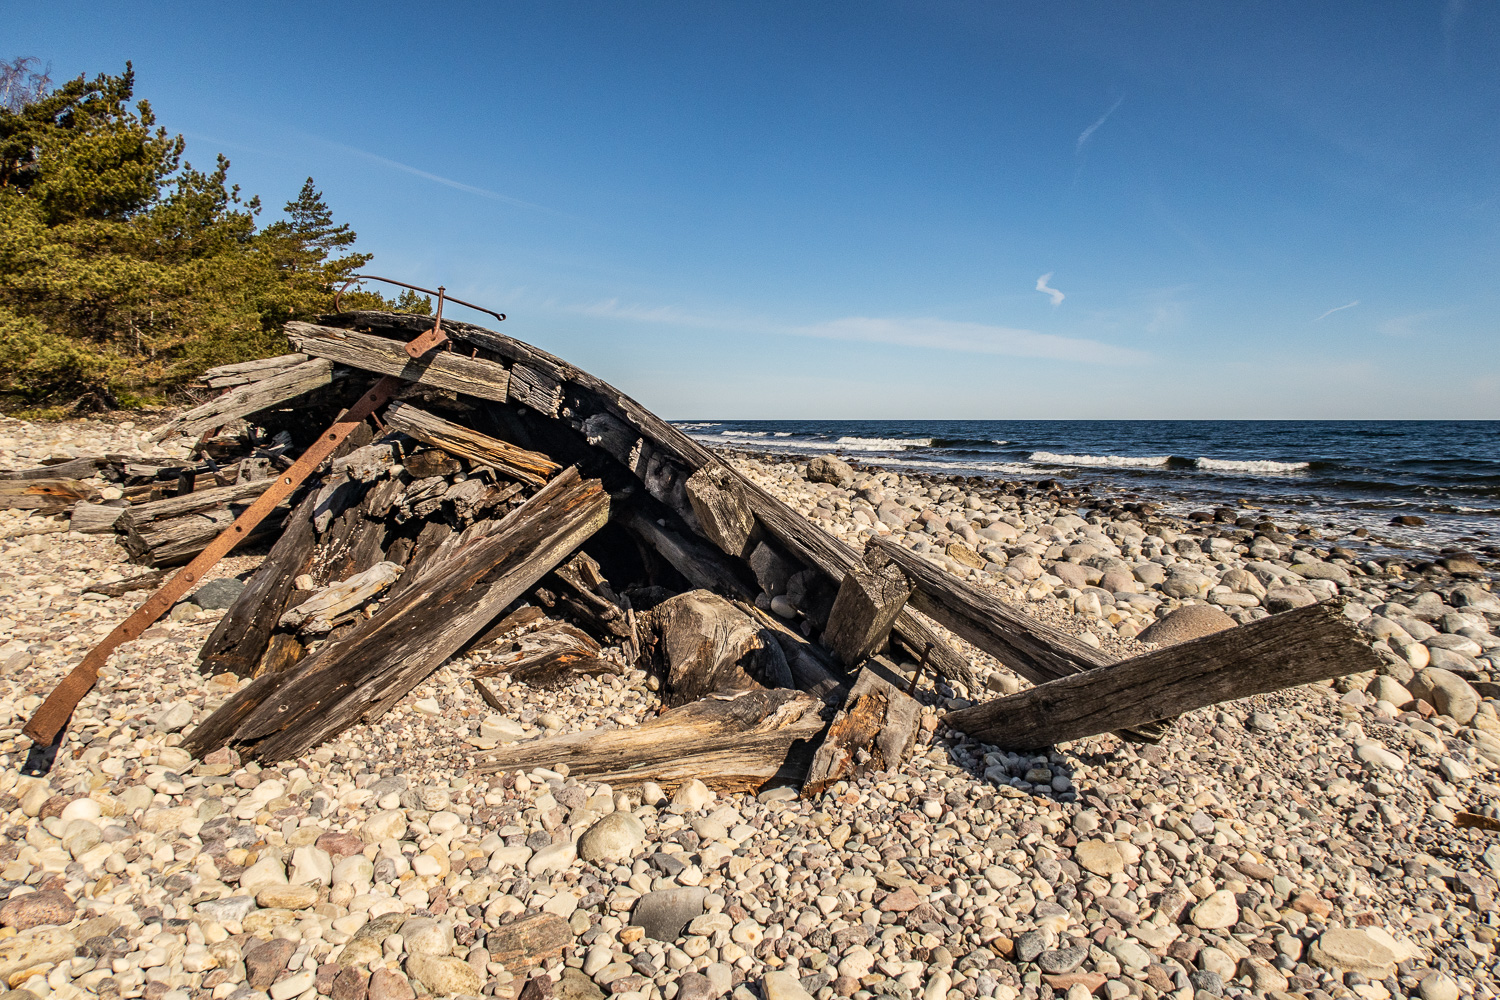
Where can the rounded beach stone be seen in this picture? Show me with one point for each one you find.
(1187, 622)
(1346, 949)
(1218, 911)
(37, 909)
(617, 836)
(1100, 858)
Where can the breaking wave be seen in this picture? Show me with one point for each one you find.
(1106, 461)
(1235, 465)
(882, 444)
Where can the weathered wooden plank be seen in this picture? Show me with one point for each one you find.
(238, 641)
(441, 607)
(864, 611)
(244, 372)
(317, 614)
(177, 540)
(250, 398)
(143, 514)
(1309, 644)
(443, 369)
(44, 495)
(733, 743)
(874, 731)
(94, 518)
(73, 468)
(480, 449)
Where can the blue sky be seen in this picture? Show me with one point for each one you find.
(846, 209)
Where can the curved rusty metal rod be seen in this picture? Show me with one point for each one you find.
(416, 288)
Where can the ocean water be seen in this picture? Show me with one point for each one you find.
(1348, 473)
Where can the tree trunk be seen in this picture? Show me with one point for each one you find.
(874, 731)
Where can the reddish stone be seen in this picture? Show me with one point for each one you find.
(36, 909)
(388, 985)
(1092, 981)
(340, 845)
(903, 900)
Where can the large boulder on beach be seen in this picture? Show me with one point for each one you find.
(827, 469)
(1188, 622)
(1447, 692)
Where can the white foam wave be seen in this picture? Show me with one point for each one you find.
(781, 434)
(756, 442)
(1233, 465)
(882, 444)
(1110, 461)
(692, 426)
(962, 468)
(995, 441)
(743, 434)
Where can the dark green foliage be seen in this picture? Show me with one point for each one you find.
(124, 271)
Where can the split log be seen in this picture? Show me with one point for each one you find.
(282, 653)
(250, 398)
(318, 614)
(1309, 644)
(441, 607)
(442, 369)
(145, 514)
(736, 742)
(176, 541)
(705, 644)
(863, 612)
(479, 449)
(874, 731)
(244, 372)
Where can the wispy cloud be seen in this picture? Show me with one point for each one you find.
(437, 178)
(920, 332)
(1347, 305)
(1041, 286)
(1411, 324)
(1083, 136)
(970, 338)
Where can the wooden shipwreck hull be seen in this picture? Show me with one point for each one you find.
(507, 496)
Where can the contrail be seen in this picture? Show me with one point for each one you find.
(1084, 136)
(1041, 286)
(438, 178)
(1335, 309)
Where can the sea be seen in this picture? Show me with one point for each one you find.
(1323, 473)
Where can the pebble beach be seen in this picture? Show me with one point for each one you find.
(1305, 843)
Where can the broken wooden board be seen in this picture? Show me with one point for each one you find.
(545, 653)
(45, 496)
(479, 449)
(250, 398)
(245, 372)
(442, 369)
(874, 731)
(736, 742)
(317, 614)
(1296, 647)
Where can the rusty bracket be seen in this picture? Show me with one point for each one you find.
(435, 337)
(47, 724)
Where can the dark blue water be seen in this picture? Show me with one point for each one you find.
(1351, 473)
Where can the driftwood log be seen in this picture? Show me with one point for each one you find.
(708, 645)
(441, 369)
(443, 604)
(737, 742)
(1297, 647)
(545, 653)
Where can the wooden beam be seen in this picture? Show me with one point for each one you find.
(480, 449)
(864, 611)
(250, 398)
(708, 645)
(443, 369)
(723, 509)
(244, 372)
(1309, 644)
(733, 743)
